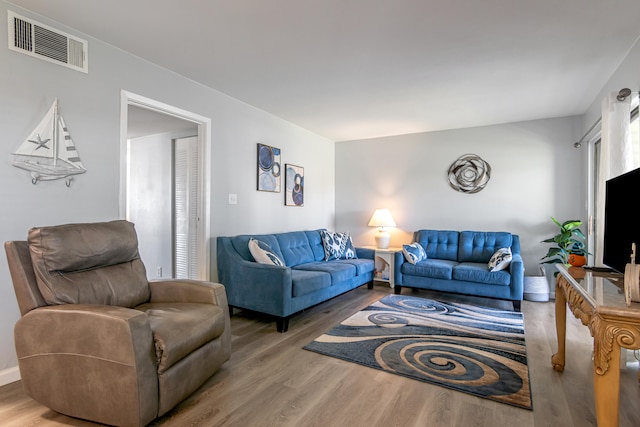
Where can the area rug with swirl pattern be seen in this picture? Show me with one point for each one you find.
(476, 350)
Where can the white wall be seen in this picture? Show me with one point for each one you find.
(626, 74)
(90, 104)
(151, 198)
(536, 174)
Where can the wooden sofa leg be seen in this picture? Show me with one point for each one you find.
(370, 285)
(397, 290)
(282, 324)
(517, 306)
(230, 311)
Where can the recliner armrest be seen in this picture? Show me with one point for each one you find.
(102, 331)
(186, 290)
(90, 361)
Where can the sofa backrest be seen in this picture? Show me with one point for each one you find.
(479, 246)
(241, 244)
(315, 242)
(439, 244)
(515, 244)
(295, 248)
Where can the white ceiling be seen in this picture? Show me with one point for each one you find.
(143, 122)
(353, 69)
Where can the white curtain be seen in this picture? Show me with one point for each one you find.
(616, 154)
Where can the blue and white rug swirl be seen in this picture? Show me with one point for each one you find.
(476, 350)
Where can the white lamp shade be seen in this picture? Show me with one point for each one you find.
(382, 218)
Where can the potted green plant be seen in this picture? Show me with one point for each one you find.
(568, 248)
(569, 241)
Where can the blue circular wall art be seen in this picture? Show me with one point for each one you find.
(268, 168)
(265, 157)
(294, 185)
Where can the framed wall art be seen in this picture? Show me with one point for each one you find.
(268, 168)
(294, 185)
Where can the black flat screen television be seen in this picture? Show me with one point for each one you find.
(621, 221)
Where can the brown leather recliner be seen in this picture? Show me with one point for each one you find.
(96, 339)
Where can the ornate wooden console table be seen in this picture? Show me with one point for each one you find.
(597, 299)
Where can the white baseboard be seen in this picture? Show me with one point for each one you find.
(9, 375)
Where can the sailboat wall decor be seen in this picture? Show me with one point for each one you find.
(48, 152)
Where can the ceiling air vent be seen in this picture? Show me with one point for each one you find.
(35, 39)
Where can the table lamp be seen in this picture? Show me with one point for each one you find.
(382, 218)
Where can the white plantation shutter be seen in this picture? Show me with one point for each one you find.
(616, 154)
(186, 208)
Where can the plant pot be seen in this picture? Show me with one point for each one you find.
(536, 288)
(549, 272)
(577, 260)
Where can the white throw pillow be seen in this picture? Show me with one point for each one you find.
(500, 260)
(414, 253)
(263, 253)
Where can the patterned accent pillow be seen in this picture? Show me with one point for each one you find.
(263, 253)
(414, 253)
(349, 249)
(500, 260)
(337, 245)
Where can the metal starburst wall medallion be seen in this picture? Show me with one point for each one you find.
(469, 174)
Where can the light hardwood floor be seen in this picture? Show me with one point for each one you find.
(271, 381)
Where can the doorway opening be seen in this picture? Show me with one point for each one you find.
(164, 185)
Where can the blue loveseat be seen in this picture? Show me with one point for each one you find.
(457, 262)
(305, 280)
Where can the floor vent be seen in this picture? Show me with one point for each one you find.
(41, 41)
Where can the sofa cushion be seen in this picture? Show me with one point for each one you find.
(477, 272)
(339, 271)
(431, 267)
(295, 248)
(439, 244)
(263, 253)
(304, 281)
(91, 263)
(362, 265)
(337, 245)
(500, 260)
(180, 328)
(478, 246)
(414, 253)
